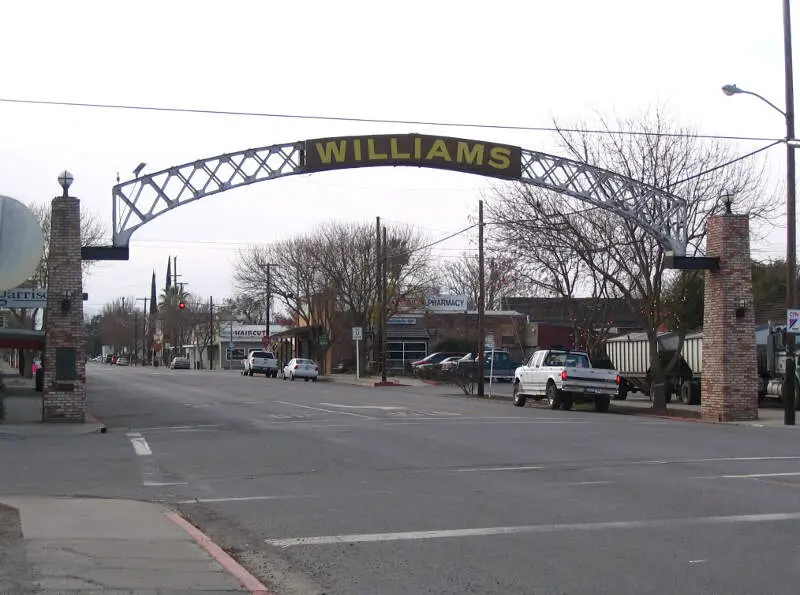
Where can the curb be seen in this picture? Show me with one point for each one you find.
(248, 581)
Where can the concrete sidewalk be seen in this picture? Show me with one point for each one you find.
(63, 545)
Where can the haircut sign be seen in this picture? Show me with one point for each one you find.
(471, 156)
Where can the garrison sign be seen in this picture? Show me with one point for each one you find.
(441, 152)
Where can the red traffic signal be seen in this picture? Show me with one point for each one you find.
(182, 305)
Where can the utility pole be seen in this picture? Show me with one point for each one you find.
(384, 283)
(210, 332)
(175, 272)
(135, 336)
(481, 302)
(378, 338)
(789, 388)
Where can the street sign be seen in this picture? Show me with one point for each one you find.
(323, 340)
(231, 345)
(793, 321)
(23, 297)
(358, 333)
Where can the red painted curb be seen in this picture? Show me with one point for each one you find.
(91, 419)
(389, 384)
(248, 581)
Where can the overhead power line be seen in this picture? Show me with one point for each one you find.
(213, 112)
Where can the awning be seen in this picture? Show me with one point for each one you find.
(300, 332)
(19, 338)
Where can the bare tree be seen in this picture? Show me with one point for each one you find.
(612, 255)
(117, 324)
(503, 277)
(92, 234)
(204, 326)
(329, 275)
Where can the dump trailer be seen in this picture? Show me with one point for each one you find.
(631, 355)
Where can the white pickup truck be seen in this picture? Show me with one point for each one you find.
(562, 378)
(261, 362)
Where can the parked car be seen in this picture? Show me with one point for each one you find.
(449, 363)
(261, 362)
(431, 361)
(122, 361)
(180, 363)
(301, 368)
(562, 378)
(498, 365)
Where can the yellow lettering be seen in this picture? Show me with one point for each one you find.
(500, 157)
(371, 154)
(357, 149)
(417, 147)
(332, 150)
(439, 149)
(395, 150)
(466, 155)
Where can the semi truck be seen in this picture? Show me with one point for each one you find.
(631, 356)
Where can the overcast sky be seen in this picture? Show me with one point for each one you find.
(511, 63)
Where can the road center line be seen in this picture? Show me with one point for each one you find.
(517, 468)
(325, 410)
(140, 446)
(489, 531)
(751, 475)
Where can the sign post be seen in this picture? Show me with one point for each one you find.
(358, 335)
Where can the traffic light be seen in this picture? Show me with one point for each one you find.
(182, 305)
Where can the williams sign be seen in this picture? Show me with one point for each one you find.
(441, 152)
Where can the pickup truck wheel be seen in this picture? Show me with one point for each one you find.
(601, 404)
(519, 400)
(566, 402)
(553, 397)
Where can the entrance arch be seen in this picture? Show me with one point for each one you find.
(144, 198)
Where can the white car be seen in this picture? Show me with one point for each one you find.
(301, 368)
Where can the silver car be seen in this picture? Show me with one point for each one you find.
(180, 363)
(301, 368)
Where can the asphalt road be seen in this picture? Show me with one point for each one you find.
(324, 487)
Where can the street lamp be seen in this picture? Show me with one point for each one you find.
(791, 222)
(65, 180)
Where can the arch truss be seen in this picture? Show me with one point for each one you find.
(138, 201)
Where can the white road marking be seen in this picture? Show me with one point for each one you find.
(263, 498)
(150, 484)
(490, 531)
(325, 410)
(588, 483)
(720, 460)
(139, 444)
(751, 475)
(178, 428)
(517, 468)
(380, 407)
(697, 561)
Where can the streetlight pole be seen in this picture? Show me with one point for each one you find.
(791, 222)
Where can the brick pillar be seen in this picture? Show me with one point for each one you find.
(65, 335)
(730, 374)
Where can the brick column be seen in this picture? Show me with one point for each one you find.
(730, 374)
(64, 354)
